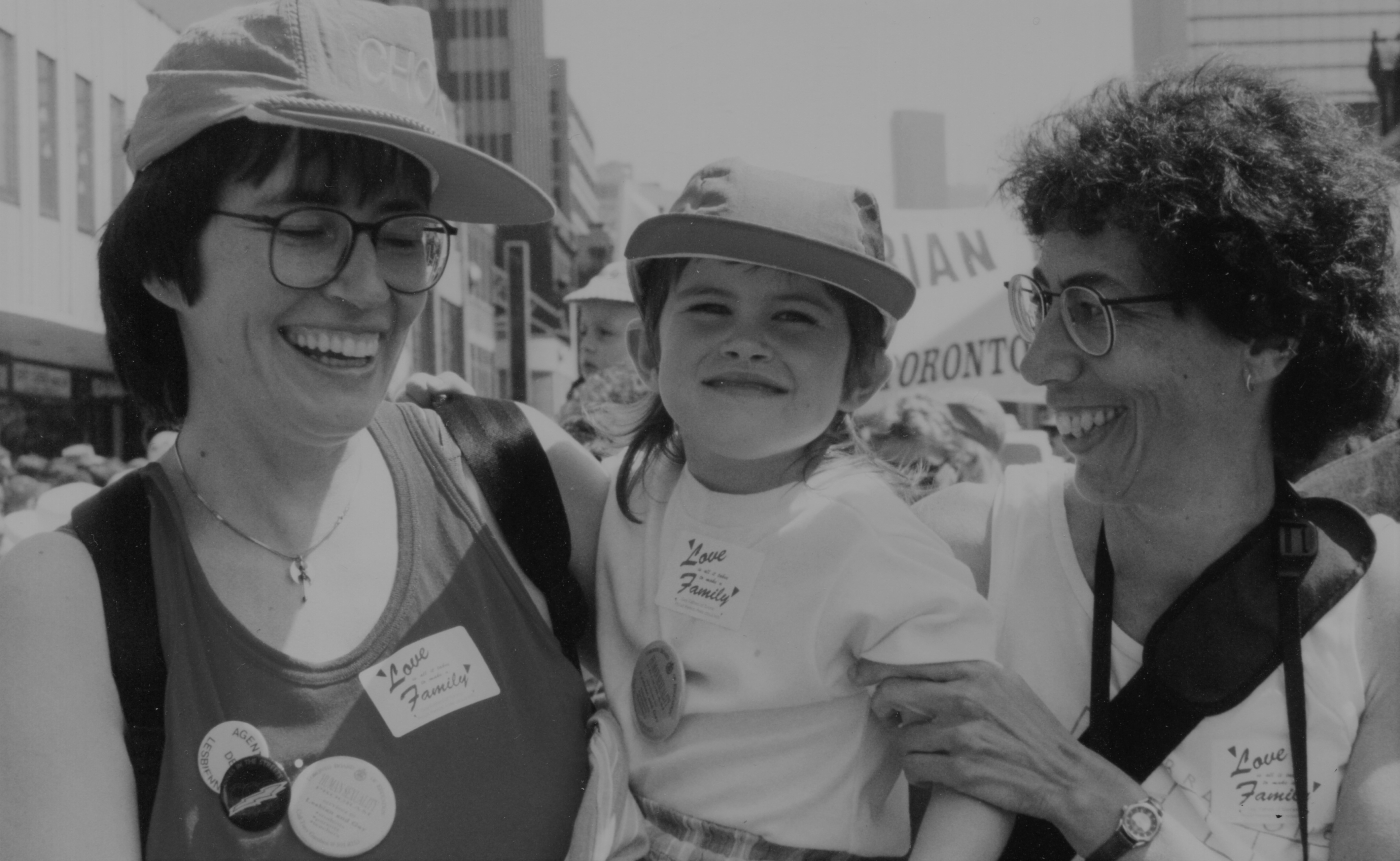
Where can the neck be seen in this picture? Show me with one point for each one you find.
(283, 490)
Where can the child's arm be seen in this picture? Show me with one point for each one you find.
(957, 827)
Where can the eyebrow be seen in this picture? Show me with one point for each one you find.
(702, 290)
(333, 197)
(1089, 278)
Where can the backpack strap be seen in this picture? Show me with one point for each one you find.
(1192, 664)
(115, 527)
(512, 470)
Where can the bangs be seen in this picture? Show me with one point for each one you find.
(329, 167)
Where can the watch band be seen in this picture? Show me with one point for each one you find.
(1137, 826)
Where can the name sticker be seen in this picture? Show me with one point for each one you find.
(708, 579)
(430, 678)
(1252, 783)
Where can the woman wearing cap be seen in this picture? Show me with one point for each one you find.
(1214, 301)
(338, 618)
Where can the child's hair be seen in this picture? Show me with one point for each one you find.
(655, 433)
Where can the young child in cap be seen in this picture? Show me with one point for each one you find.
(742, 570)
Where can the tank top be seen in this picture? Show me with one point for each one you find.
(499, 778)
(1229, 780)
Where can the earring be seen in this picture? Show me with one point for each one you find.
(1249, 381)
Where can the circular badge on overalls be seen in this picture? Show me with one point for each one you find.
(342, 806)
(255, 792)
(658, 691)
(224, 745)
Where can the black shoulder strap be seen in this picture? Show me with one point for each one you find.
(115, 527)
(1192, 666)
(510, 466)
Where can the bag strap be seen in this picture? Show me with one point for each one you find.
(115, 527)
(1148, 719)
(512, 470)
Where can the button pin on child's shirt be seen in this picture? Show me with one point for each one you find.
(658, 691)
(255, 793)
(224, 745)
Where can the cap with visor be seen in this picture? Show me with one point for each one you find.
(731, 210)
(609, 285)
(350, 66)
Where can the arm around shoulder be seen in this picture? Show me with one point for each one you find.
(583, 486)
(68, 790)
(961, 514)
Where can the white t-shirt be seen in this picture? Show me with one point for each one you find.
(1227, 781)
(774, 738)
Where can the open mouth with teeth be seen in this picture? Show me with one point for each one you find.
(333, 347)
(1077, 424)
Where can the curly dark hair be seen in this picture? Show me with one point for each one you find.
(655, 434)
(154, 233)
(1253, 201)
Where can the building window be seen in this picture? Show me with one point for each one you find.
(506, 155)
(451, 337)
(480, 86)
(48, 136)
(82, 133)
(117, 120)
(501, 29)
(476, 23)
(9, 120)
(492, 144)
(554, 101)
(444, 22)
(491, 85)
(554, 150)
(490, 24)
(505, 84)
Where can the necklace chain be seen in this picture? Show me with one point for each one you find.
(299, 560)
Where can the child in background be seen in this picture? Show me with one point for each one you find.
(742, 570)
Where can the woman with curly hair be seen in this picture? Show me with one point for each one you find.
(1196, 662)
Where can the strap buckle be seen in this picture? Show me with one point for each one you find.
(1297, 546)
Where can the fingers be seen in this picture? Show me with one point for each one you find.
(421, 388)
(868, 673)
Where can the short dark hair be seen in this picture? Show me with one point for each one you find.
(1255, 202)
(154, 233)
(655, 433)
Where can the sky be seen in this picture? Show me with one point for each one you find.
(809, 85)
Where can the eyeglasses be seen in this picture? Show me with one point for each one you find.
(1088, 316)
(310, 246)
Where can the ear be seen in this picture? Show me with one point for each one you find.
(1268, 357)
(165, 291)
(639, 348)
(870, 379)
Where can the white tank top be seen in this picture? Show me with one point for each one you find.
(1230, 781)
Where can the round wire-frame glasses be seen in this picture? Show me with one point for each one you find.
(310, 245)
(1087, 315)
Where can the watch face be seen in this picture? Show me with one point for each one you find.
(1141, 821)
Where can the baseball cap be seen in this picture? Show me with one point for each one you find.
(350, 66)
(731, 210)
(609, 285)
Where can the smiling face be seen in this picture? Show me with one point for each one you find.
(602, 335)
(751, 369)
(1167, 407)
(318, 361)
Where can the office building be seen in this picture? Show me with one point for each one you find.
(72, 73)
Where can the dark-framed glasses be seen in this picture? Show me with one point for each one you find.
(1088, 316)
(310, 245)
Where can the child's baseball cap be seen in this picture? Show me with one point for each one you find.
(351, 66)
(731, 210)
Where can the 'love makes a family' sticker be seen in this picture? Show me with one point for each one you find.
(708, 579)
(1252, 783)
(427, 679)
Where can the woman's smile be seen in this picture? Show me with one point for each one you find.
(336, 348)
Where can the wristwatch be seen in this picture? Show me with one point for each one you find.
(1138, 824)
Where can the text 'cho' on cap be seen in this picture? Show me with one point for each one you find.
(731, 210)
(351, 66)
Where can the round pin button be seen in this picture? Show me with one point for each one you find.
(255, 792)
(224, 745)
(342, 806)
(658, 690)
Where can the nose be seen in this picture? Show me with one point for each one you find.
(1052, 356)
(359, 282)
(746, 344)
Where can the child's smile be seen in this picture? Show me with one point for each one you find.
(752, 369)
